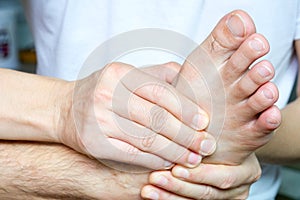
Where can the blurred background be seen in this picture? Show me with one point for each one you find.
(17, 52)
(16, 42)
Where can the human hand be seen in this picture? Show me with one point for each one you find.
(123, 114)
(207, 181)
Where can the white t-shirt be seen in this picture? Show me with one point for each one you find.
(66, 32)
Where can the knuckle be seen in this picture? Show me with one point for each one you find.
(187, 138)
(158, 118)
(131, 153)
(257, 80)
(257, 175)
(113, 68)
(102, 95)
(227, 182)
(158, 91)
(173, 65)
(207, 193)
(147, 143)
(254, 104)
(235, 65)
(216, 46)
(244, 193)
(135, 108)
(178, 188)
(116, 69)
(242, 90)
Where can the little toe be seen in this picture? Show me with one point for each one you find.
(268, 120)
(258, 75)
(262, 99)
(252, 48)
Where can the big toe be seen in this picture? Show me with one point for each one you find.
(228, 35)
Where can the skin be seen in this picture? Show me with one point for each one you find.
(286, 136)
(250, 114)
(41, 114)
(37, 188)
(53, 171)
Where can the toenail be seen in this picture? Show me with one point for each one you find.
(264, 71)
(236, 25)
(257, 45)
(268, 94)
(273, 122)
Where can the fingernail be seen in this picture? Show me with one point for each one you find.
(268, 94)
(207, 147)
(153, 195)
(168, 165)
(257, 44)
(264, 71)
(236, 25)
(181, 172)
(160, 180)
(200, 122)
(194, 160)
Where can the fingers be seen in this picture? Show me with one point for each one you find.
(221, 176)
(155, 193)
(160, 121)
(204, 182)
(123, 152)
(148, 113)
(148, 141)
(163, 95)
(165, 186)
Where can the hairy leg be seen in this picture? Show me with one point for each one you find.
(52, 171)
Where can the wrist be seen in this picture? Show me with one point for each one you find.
(63, 116)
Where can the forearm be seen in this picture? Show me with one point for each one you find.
(31, 106)
(284, 147)
(50, 171)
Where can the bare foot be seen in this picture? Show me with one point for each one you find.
(240, 101)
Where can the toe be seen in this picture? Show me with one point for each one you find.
(222, 42)
(262, 99)
(252, 48)
(268, 120)
(228, 35)
(258, 75)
